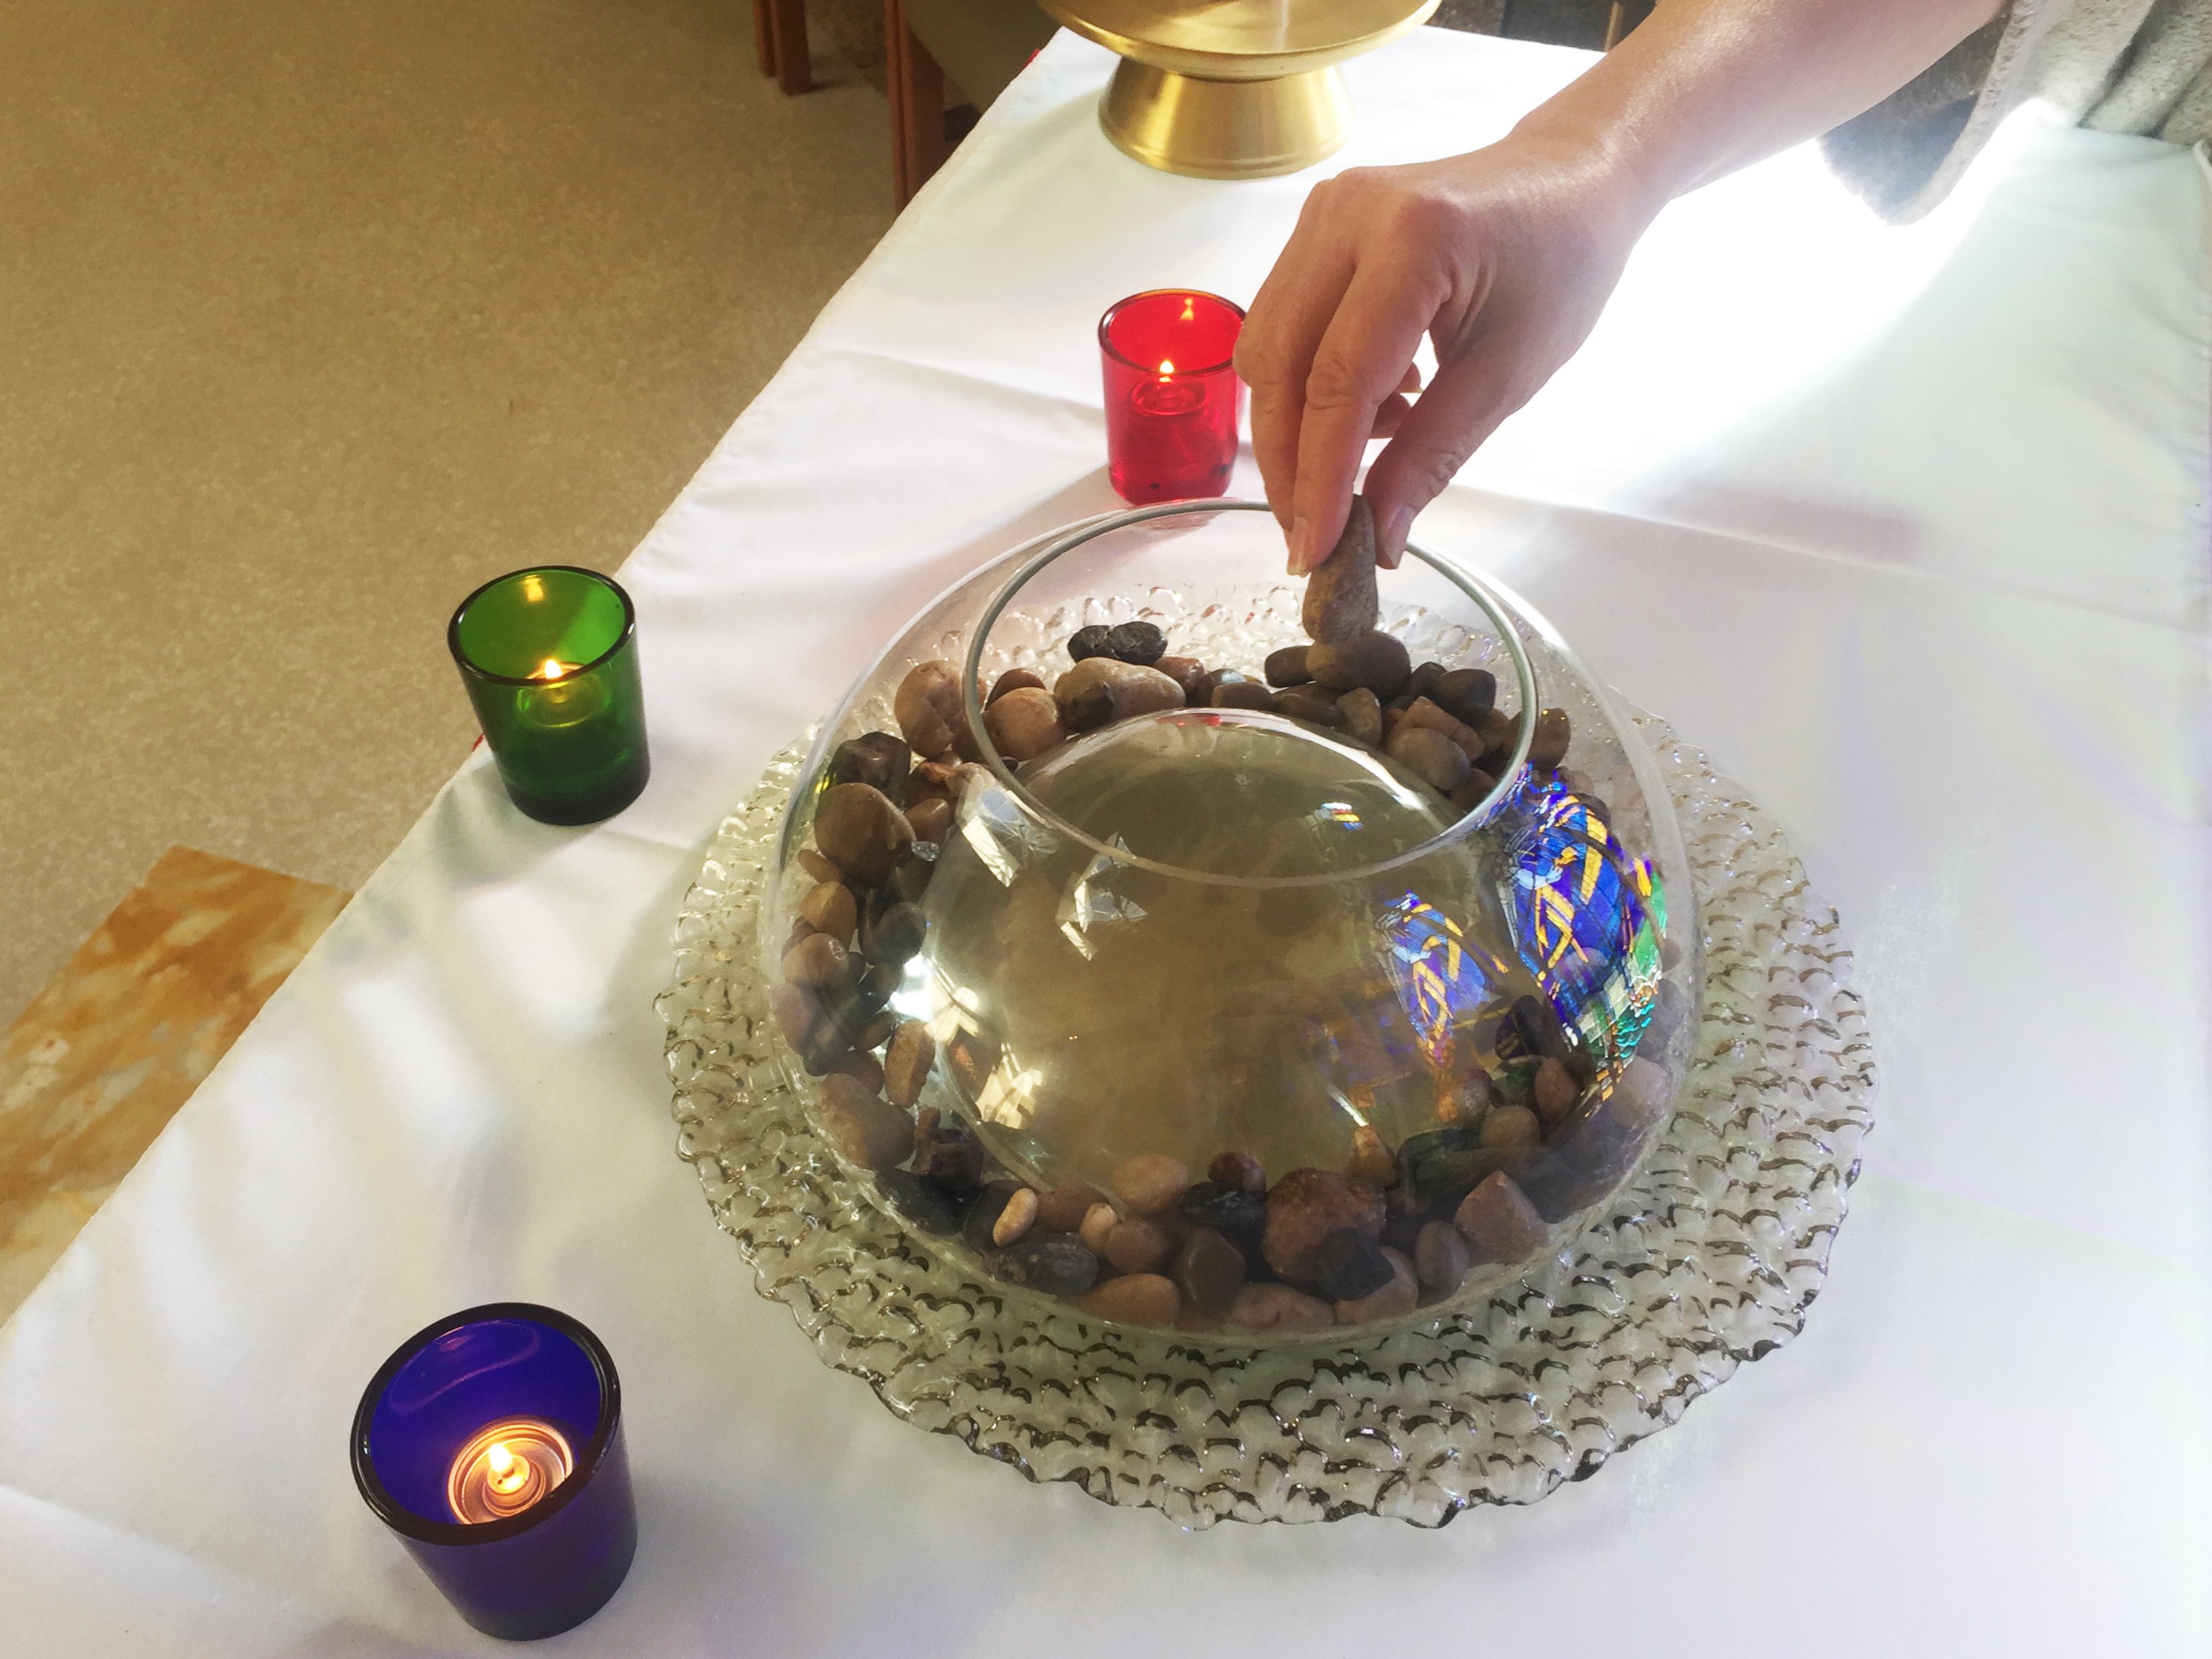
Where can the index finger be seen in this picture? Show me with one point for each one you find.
(1361, 361)
(1275, 351)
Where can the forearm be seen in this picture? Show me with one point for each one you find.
(1705, 87)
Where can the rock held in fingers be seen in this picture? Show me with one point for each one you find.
(1340, 601)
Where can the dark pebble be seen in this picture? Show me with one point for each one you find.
(1051, 1262)
(1241, 1171)
(1425, 675)
(895, 936)
(1350, 1265)
(1287, 666)
(1209, 1271)
(1139, 642)
(1310, 704)
(923, 1202)
(1514, 1083)
(1096, 641)
(1466, 694)
(1014, 679)
(875, 758)
(1549, 746)
(1539, 1030)
(911, 879)
(983, 1214)
(1200, 690)
(1241, 694)
(1440, 1167)
(947, 1155)
(1235, 1214)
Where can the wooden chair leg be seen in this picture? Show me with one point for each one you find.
(794, 68)
(916, 85)
(764, 36)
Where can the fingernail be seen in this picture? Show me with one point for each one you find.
(1392, 541)
(1301, 559)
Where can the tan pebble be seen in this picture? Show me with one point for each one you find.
(816, 960)
(1019, 1215)
(1362, 715)
(1135, 1299)
(1279, 1309)
(1241, 1171)
(1555, 1090)
(1499, 1222)
(1138, 1246)
(867, 1129)
(1014, 679)
(830, 908)
(1062, 1209)
(1371, 1161)
(857, 825)
(1511, 1129)
(817, 866)
(927, 708)
(798, 1014)
(907, 1062)
(1341, 599)
(1392, 1301)
(1099, 690)
(1097, 1227)
(1152, 1183)
(1025, 723)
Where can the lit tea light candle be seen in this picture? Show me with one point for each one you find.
(506, 1468)
(549, 659)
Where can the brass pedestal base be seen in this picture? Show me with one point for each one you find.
(1210, 129)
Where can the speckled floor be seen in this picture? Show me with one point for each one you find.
(313, 317)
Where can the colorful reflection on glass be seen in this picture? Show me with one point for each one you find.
(1587, 917)
(1441, 980)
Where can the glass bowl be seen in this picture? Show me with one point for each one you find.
(1262, 1014)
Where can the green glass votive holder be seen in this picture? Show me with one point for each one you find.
(549, 657)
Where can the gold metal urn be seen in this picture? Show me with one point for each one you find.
(1233, 89)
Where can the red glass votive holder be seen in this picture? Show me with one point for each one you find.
(1172, 396)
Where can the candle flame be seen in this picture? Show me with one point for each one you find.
(1166, 368)
(500, 1459)
(551, 669)
(1190, 307)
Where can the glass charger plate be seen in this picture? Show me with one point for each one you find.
(1711, 1259)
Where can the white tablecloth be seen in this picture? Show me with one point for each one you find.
(1907, 527)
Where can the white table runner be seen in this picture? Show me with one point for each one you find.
(1907, 527)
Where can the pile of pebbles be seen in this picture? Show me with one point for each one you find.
(1525, 1144)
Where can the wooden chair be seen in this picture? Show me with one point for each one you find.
(779, 40)
(978, 44)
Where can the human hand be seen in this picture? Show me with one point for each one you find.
(1503, 257)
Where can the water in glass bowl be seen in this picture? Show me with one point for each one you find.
(1245, 968)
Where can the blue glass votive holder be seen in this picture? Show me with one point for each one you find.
(491, 1442)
